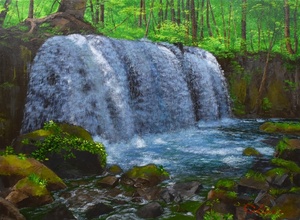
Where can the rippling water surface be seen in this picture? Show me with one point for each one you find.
(206, 150)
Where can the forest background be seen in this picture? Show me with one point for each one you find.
(255, 41)
(216, 25)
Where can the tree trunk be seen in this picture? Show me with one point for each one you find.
(73, 7)
(207, 19)
(31, 9)
(194, 22)
(287, 34)
(4, 12)
(296, 39)
(243, 26)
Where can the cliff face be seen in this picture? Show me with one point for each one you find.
(281, 91)
(280, 97)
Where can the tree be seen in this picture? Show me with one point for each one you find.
(73, 7)
(194, 22)
(287, 33)
(243, 26)
(31, 7)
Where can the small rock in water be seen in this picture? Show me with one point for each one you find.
(97, 210)
(151, 210)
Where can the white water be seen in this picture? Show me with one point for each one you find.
(208, 152)
(118, 89)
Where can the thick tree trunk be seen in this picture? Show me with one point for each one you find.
(73, 7)
(243, 26)
(287, 33)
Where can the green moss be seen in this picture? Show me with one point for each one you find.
(281, 127)
(147, 171)
(289, 165)
(226, 184)
(13, 165)
(31, 188)
(62, 139)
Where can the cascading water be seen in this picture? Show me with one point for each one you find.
(119, 88)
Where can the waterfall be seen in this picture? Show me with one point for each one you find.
(119, 88)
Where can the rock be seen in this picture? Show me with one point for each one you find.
(221, 208)
(252, 184)
(151, 193)
(288, 204)
(144, 176)
(290, 150)
(13, 168)
(84, 163)
(151, 210)
(251, 151)
(9, 212)
(169, 196)
(108, 181)
(59, 212)
(27, 193)
(187, 189)
(296, 179)
(114, 169)
(98, 209)
(27, 182)
(281, 127)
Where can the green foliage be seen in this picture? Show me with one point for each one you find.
(63, 143)
(282, 145)
(38, 180)
(226, 184)
(9, 150)
(212, 215)
(255, 175)
(290, 86)
(266, 104)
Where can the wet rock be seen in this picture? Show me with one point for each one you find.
(97, 210)
(108, 181)
(59, 212)
(187, 189)
(8, 211)
(114, 169)
(251, 151)
(170, 196)
(151, 210)
(152, 193)
(144, 176)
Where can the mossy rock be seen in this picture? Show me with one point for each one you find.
(251, 151)
(68, 150)
(13, 166)
(281, 127)
(150, 174)
(226, 184)
(289, 149)
(287, 164)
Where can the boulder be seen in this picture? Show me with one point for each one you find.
(74, 159)
(151, 210)
(27, 181)
(144, 176)
(98, 209)
(8, 211)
